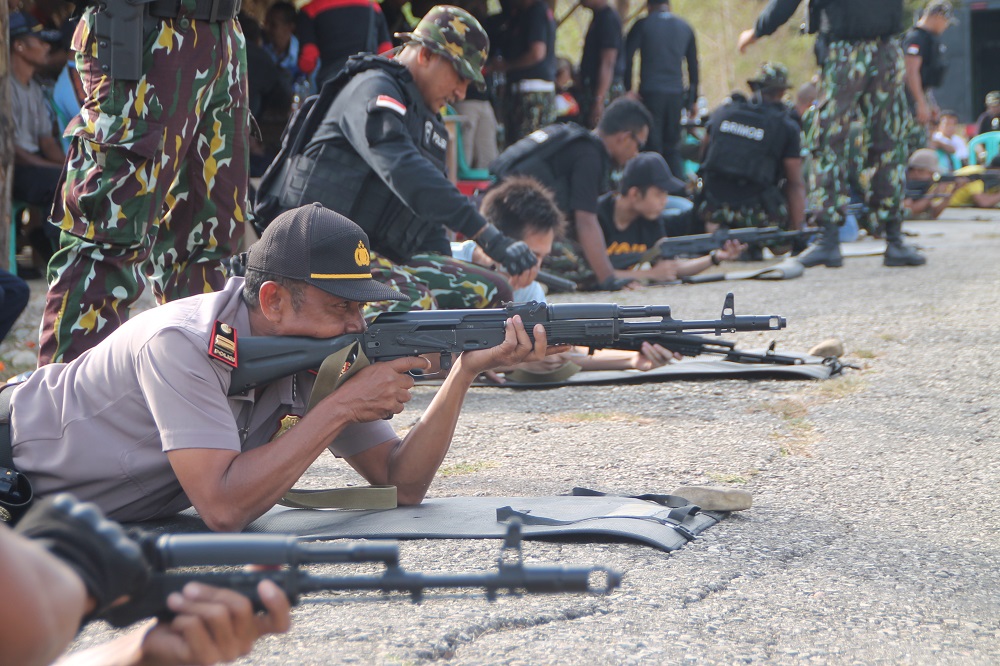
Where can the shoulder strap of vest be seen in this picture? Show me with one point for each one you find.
(539, 145)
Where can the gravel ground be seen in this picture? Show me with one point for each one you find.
(874, 533)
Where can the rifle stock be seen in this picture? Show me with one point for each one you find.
(448, 332)
(173, 551)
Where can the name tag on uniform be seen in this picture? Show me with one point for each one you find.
(222, 345)
(434, 142)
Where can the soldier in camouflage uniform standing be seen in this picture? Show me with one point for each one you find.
(863, 73)
(155, 183)
(377, 156)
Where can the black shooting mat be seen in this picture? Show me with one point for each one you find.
(486, 518)
(700, 367)
(667, 523)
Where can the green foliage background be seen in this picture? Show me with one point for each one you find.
(717, 25)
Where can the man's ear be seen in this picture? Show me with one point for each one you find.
(274, 300)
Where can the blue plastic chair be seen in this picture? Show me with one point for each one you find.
(990, 141)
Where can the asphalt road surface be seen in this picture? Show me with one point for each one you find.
(873, 537)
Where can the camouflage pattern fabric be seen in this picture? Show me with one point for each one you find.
(740, 217)
(863, 78)
(455, 34)
(567, 261)
(155, 181)
(527, 112)
(437, 282)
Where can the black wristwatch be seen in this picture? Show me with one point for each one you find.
(714, 256)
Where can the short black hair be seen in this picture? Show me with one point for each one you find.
(254, 279)
(251, 28)
(284, 11)
(995, 162)
(520, 204)
(625, 115)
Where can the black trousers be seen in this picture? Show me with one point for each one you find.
(35, 185)
(665, 134)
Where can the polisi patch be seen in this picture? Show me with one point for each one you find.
(386, 102)
(222, 345)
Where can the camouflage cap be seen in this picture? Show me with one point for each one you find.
(771, 75)
(455, 34)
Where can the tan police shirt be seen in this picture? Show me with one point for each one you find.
(99, 427)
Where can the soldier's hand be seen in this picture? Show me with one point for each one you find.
(653, 356)
(515, 256)
(517, 347)
(214, 625)
(747, 37)
(380, 390)
(730, 250)
(110, 564)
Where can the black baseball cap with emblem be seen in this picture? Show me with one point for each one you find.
(323, 248)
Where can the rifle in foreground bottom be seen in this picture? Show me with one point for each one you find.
(167, 552)
(392, 335)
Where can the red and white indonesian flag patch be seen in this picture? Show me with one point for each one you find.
(913, 49)
(386, 102)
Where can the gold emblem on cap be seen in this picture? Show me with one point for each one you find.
(361, 255)
(5, 516)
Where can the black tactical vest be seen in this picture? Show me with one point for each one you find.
(853, 20)
(532, 156)
(329, 170)
(746, 143)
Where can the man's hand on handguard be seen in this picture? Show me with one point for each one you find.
(380, 390)
(516, 348)
(653, 356)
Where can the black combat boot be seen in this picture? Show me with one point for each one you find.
(824, 251)
(898, 253)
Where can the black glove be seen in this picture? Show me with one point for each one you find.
(612, 283)
(110, 564)
(515, 256)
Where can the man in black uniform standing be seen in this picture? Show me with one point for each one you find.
(664, 42)
(576, 164)
(378, 157)
(863, 75)
(602, 65)
(925, 66)
(752, 169)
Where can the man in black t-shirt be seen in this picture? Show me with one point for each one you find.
(602, 66)
(666, 43)
(528, 46)
(632, 222)
(575, 165)
(331, 32)
(925, 66)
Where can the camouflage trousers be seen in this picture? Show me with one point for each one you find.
(527, 112)
(155, 184)
(740, 217)
(863, 81)
(567, 261)
(437, 282)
